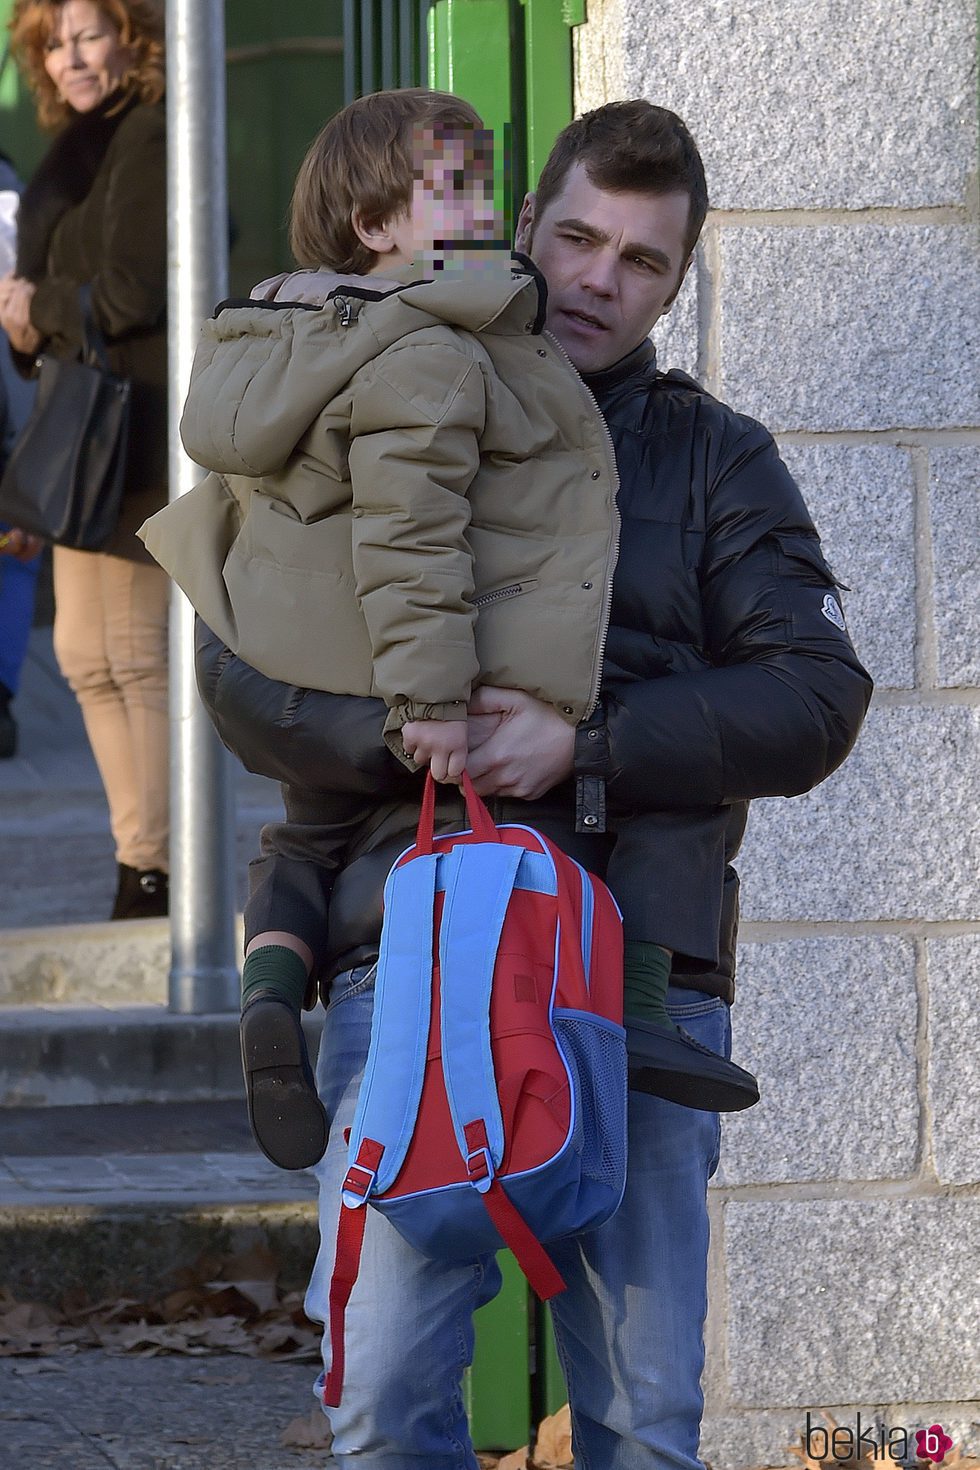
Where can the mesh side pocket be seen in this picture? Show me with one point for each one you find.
(597, 1059)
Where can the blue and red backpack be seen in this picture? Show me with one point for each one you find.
(492, 1111)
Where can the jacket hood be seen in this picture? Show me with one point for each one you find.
(266, 367)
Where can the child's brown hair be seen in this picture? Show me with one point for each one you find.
(362, 159)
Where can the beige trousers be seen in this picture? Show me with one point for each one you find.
(110, 640)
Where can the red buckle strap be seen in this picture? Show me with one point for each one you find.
(479, 1166)
(350, 1238)
(358, 1180)
(362, 1173)
(543, 1275)
(347, 1260)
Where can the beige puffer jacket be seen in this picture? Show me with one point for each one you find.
(412, 492)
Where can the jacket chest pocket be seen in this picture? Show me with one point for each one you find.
(656, 588)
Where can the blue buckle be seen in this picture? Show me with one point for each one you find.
(479, 1166)
(357, 1189)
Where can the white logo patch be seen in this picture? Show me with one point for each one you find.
(831, 610)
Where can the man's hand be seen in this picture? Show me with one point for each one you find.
(480, 728)
(439, 744)
(531, 750)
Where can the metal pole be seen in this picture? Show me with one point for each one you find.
(203, 974)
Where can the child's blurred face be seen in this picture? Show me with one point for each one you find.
(452, 204)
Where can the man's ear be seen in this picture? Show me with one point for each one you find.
(673, 295)
(525, 224)
(374, 234)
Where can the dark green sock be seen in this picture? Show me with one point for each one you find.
(646, 974)
(275, 968)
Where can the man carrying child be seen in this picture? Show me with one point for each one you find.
(720, 676)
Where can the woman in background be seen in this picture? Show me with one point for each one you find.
(94, 215)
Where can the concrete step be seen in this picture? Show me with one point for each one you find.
(100, 964)
(124, 963)
(115, 1199)
(75, 1055)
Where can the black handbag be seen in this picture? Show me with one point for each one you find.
(64, 478)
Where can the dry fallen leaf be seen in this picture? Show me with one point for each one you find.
(307, 1432)
(227, 1306)
(263, 1295)
(553, 1449)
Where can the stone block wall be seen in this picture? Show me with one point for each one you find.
(836, 298)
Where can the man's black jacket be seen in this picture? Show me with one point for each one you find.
(727, 675)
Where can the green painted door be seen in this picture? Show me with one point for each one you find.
(513, 60)
(285, 77)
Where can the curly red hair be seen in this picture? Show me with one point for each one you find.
(140, 27)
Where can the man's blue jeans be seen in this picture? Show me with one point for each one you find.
(629, 1326)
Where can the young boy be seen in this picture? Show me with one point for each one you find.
(413, 491)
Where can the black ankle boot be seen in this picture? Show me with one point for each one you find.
(141, 894)
(125, 890)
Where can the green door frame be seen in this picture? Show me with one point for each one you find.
(512, 59)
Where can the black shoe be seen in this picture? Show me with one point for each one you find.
(141, 894)
(672, 1065)
(287, 1116)
(8, 726)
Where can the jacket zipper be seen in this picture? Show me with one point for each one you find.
(614, 544)
(499, 595)
(344, 309)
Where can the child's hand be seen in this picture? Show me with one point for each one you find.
(440, 744)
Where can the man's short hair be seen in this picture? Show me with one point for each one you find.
(362, 159)
(629, 147)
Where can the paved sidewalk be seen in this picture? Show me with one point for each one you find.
(55, 848)
(94, 1412)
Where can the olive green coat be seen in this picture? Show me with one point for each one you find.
(411, 494)
(115, 240)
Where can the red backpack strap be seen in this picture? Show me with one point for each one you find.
(350, 1238)
(347, 1260)
(543, 1275)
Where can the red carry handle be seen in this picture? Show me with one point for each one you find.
(479, 817)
